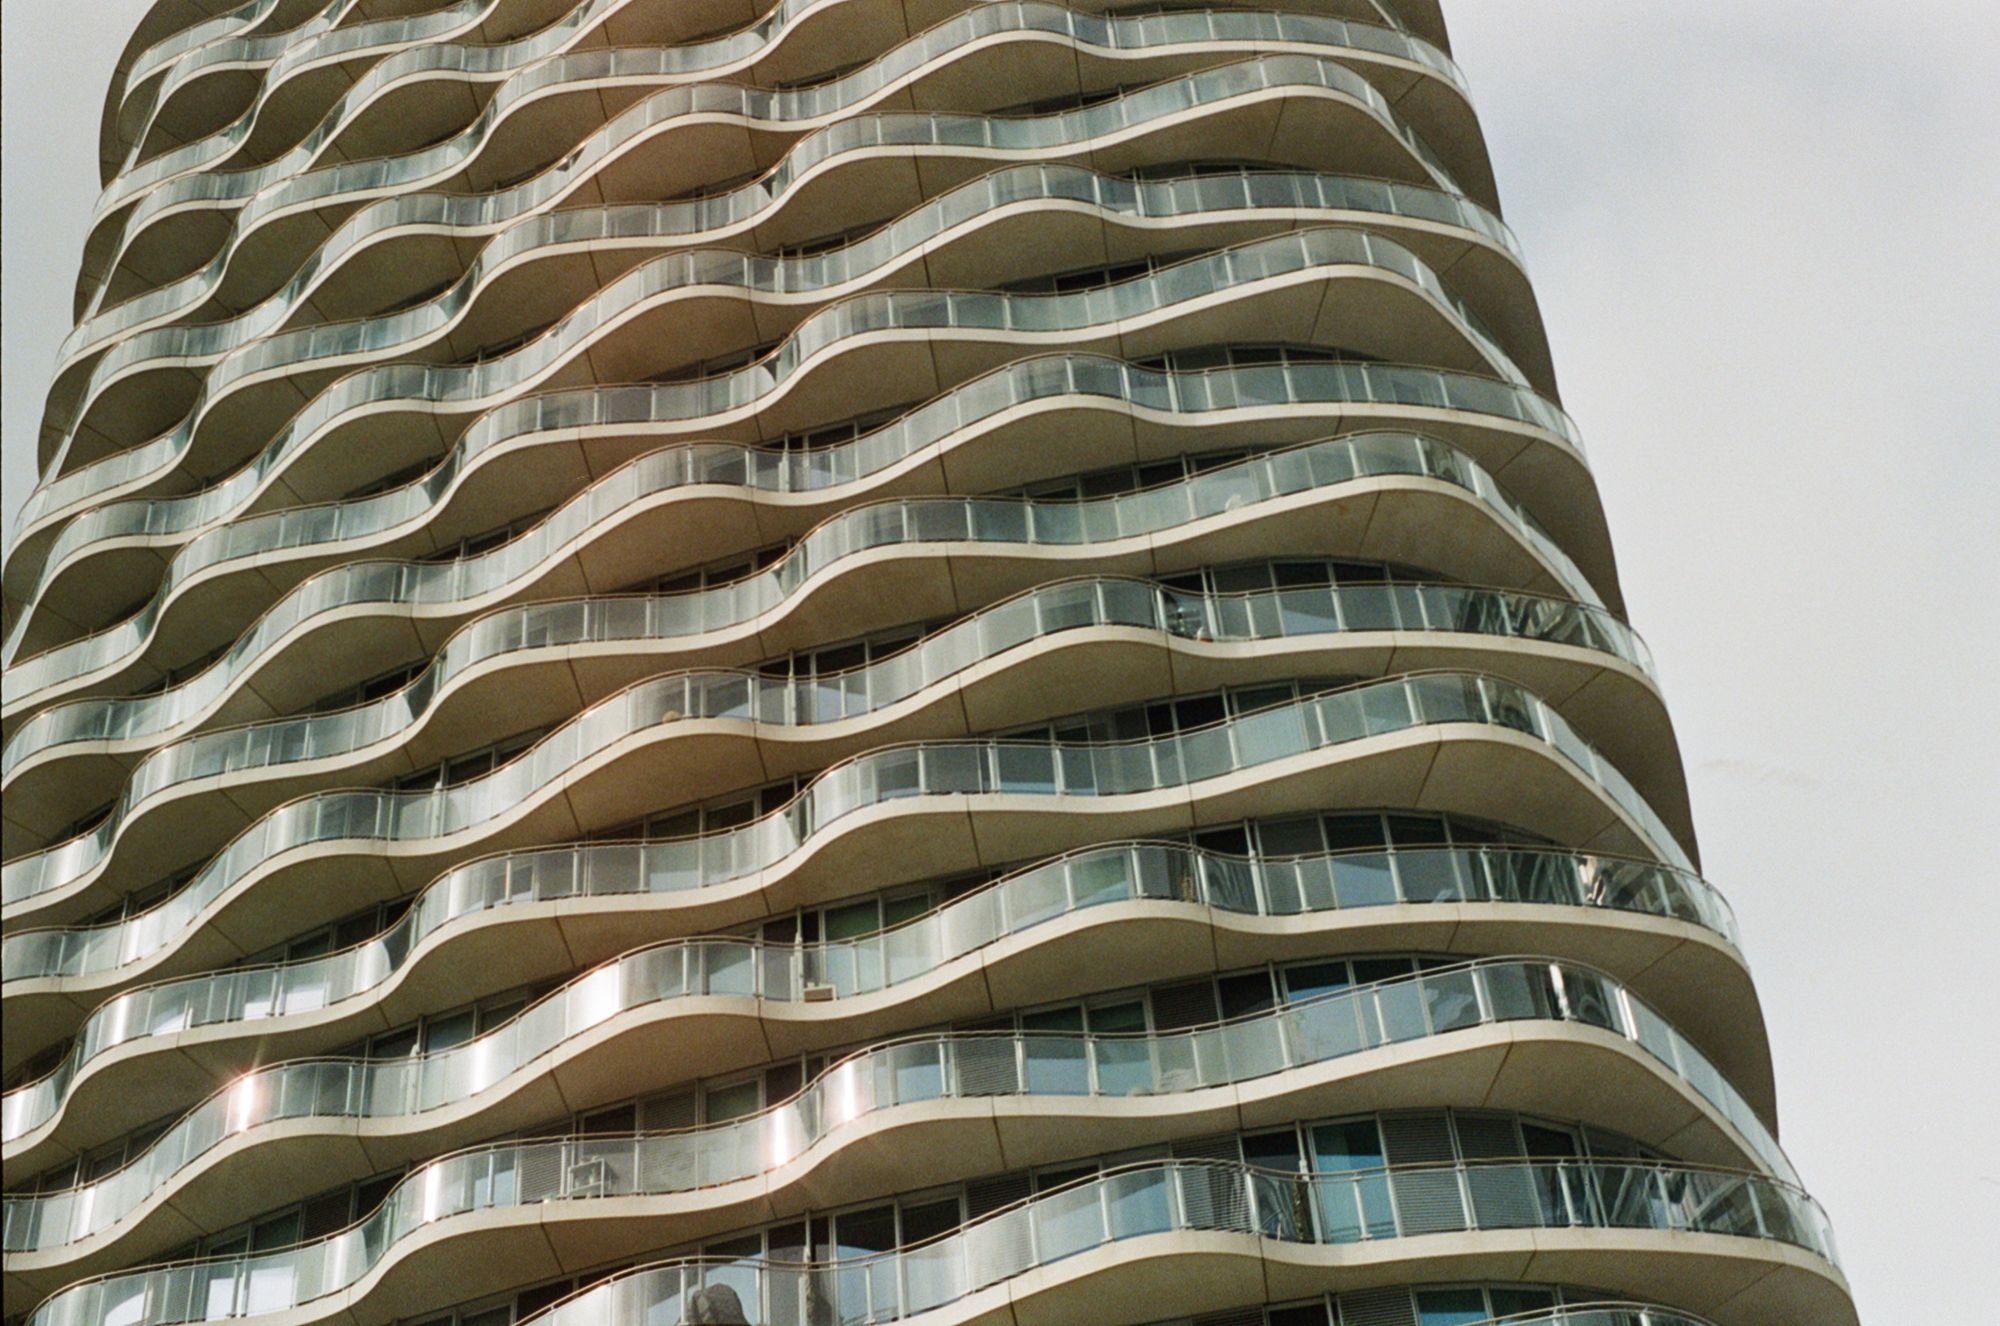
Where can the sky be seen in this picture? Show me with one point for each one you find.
(1763, 236)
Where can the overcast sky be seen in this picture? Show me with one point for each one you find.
(1764, 237)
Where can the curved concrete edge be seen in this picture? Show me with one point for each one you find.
(133, 235)
(1697, 981)
(1615, 703)
(485, 485)
(889, 180)
(625, 331)
(548, 281)
(1556, 1070)
(1650, 956)
(1315, 304)
(66, 600)
(295, 81)
(1589, 687)
(266, 243)
(1376, 517)
(1449, 767)
(1446, 108)
(1736, 1281)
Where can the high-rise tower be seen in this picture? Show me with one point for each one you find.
(882, 660)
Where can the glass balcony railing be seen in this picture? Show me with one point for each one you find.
(1178, 198)
(868, 1083)
(533, 65)
(314, 45)
(1571, 1314)
(1128, 1204)
(1041, 894)
(1171, 100)
(910, 522)
(1152, 1200)
(626, 220)
(443, 390)
(726, 211)
(963, 768)
(709, 270)
(1310, 612)
(736, 209)
(227, 40)
(1320, 465)
(1235, 191)
(229, 25)
(1221, 193)
(473, 387)
(250, 347)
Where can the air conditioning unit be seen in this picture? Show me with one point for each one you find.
(818, 992)
(588, 1178)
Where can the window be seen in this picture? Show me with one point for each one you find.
(472, 545)
(1360, 1207)
(712, 575)
(438, 1032)
(1450, 1307)
(1201, 358)
(468, 766)
(722, 813)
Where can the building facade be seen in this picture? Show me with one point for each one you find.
(865, 661)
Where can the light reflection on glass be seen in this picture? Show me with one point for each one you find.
(243, 1103)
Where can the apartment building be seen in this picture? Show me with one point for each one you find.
(870, 661)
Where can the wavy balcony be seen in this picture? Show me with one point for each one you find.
(451, 945)
(1309, 287)
(797, 199)
(179, 205)
(1213, 1235)
(557, 102)
(1480, 1015)
(97, 731)
(122, 541)
(599, 525)
(1342, 124)
(223, 49)
(193, 99)
(680, 293)
(394, 283)
(496, 431)
(1437, 741)
(591, 894)
(798, 42)
(1682, 1232)
(176, 87)
(557, 99)
(1585, 1309)
(834, 574)
(1207, 1235)
(723, 211)
(446, 708)
(197, 116)
(1008, 31)
(1011, 225)
(168, 31)
(748, 47)
(199, 86)
(982, 436)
